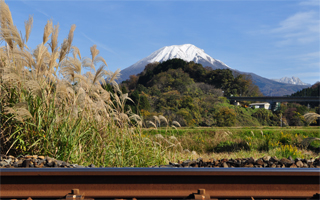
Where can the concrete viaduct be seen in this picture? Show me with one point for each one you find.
(276, 99)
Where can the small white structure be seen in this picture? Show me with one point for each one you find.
(237, 103)
(260, 105)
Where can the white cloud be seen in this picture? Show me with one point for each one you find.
(308, 77)
(40, 11)
(300, 28)
(309, 56)
(310, 3)
(99, 44)
(44, 13)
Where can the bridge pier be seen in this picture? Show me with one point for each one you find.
(274, 106)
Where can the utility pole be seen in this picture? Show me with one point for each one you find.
(281, 119)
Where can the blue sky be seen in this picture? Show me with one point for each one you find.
(270, 38)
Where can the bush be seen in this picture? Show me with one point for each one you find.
(186, 116)
(284, 151)
(225, 117)
(230, 146)
(227, 146)
(263, 116)
(286, 139)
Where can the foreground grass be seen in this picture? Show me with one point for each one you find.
(50, 107)
(239, 142)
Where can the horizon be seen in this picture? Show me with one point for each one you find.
(272, 39)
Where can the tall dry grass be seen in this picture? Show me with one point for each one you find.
(49, 106)
(311, 117)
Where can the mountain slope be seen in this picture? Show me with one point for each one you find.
(189, 52)
(269, 87)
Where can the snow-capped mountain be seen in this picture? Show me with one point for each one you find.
(187, 52)
(293, 80)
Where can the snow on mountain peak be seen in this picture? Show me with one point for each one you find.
(187, 52)
(293, 80)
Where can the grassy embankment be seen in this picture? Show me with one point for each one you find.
(243, 142)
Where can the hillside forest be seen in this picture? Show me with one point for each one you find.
(195, 95)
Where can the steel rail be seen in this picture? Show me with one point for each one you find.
(155, 183)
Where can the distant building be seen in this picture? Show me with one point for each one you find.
(260, 105)
(236, 103)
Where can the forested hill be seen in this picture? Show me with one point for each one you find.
(189, 93)
(232, 83)
(193, 95)
(314, 90)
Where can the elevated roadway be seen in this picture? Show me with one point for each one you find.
(276, 99)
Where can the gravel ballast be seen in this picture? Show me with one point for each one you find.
(264, 162)
(35, 161)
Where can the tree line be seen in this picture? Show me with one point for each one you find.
(195, 95)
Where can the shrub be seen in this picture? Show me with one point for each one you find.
(225, 117)
(286, 138)
(230, 146)
(263, 116)
(227, 146)
(284, 151)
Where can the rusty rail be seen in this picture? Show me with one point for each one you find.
(156, 183)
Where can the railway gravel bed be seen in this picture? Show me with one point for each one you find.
(35, 161)
(41, 177)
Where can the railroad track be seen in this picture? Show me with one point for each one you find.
(159, 183)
